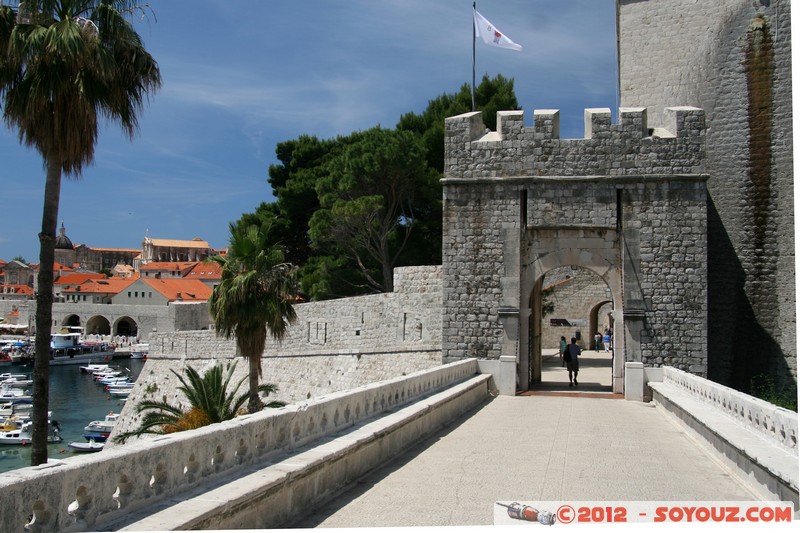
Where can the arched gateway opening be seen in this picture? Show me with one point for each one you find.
(575, 272)
(571, 302)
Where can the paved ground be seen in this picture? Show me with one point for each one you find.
(585, 445)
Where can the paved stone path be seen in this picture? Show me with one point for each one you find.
(584, 446)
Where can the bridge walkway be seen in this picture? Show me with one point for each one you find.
(555, 443)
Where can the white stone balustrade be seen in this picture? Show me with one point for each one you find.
(775, 423)
(83, 493)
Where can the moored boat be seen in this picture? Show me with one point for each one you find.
(86, 447)
(92, 368)
(23, 435)
(140, 351)
(67, 349)
(99, 430)
(10, 394)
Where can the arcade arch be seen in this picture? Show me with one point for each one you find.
(126, 327)
(73, 321)
(98, 325)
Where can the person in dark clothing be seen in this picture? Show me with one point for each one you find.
(572, 364)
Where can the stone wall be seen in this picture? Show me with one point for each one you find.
(733, 59)
(149, 319)
(334, 345)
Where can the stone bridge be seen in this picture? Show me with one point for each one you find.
(269, 469)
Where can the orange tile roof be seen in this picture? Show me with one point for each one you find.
(64, 268)
(101, 286)
(16, 289)
(187, 290)
(206, 270)
(77, 278)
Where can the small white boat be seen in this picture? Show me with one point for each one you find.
(114, 379)
(89, 369)
(106, 374)
(102, 426)
(6, 375)
(120, 393)
(23, 435)
(119, 385)
(17, 383)
(11, 394)
(86, 447)
(140, 351)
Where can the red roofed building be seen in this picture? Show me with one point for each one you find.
(166, 269)
(209, 272)
(99, 291)
(70, 281)
(163, 291)
(16, 292)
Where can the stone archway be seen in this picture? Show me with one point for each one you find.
(126, 327)
(71, 321)
(98, 325)
(596, 250)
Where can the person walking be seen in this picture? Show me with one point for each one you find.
(598, 339)
(571, 356)
(607, 340)
(561, 347)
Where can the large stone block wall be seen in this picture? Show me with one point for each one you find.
(733, 59)
(334, 345)
(646, 187)
(669, 218)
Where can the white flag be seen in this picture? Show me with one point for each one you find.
(491, 35)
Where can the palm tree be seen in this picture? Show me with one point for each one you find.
(63, 65)
(255, 296)
(209, 400)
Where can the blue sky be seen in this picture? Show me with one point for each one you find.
(240, 76)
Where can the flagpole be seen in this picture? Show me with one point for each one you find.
(473, 56)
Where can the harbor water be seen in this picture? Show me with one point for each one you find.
(75, 400)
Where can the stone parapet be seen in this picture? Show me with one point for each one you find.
(756, 441)
(91, 492)
(775, 423)
(627, 148)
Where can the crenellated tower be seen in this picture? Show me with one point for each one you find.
(627, 202)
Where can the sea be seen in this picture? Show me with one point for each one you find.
(75, 400)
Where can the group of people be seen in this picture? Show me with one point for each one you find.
(569, 353)
(603, 340)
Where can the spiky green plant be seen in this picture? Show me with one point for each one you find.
(210, 402)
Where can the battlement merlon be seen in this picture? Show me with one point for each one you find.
(681, 122)
(627, 148)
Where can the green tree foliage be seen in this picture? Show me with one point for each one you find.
(368, 203)
(210, 402)
(491, 95)
(354, 241)
(255, 296)
(64, 65)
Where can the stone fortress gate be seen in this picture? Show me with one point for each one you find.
(626, 202)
